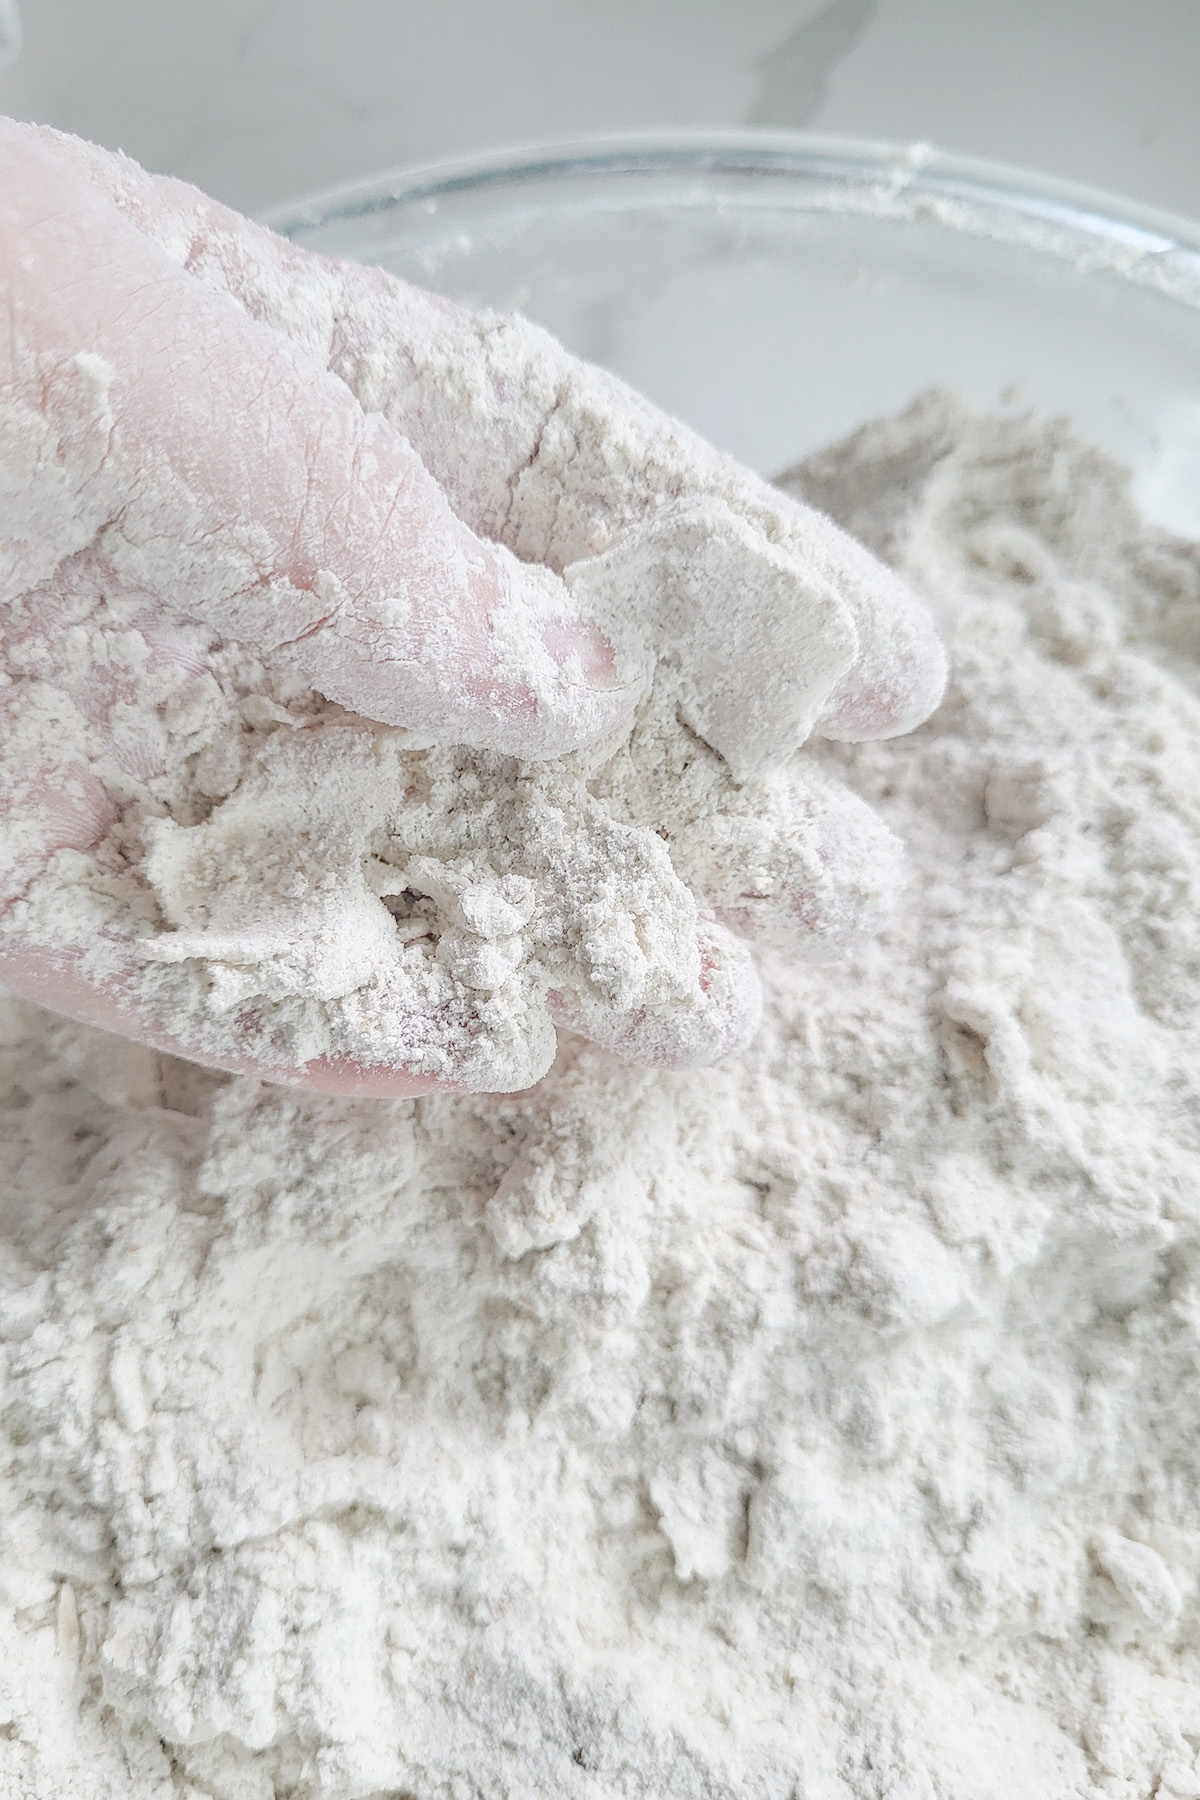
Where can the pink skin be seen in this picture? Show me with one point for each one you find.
(265, 439)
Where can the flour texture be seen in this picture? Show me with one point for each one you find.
(824, 1425)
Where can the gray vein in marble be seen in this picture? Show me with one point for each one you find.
(794, 76)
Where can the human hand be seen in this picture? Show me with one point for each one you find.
(218, 529)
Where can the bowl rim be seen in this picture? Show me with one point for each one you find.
(880, 176)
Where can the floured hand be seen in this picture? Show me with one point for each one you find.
(383, 684)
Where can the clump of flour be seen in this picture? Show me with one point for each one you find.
(820, 1425)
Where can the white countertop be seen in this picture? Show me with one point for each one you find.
(260, 101)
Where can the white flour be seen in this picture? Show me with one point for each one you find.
(823, 1426)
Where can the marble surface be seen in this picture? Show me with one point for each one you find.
(261, 101)
(10, 32)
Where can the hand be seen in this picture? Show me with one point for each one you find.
(247, 485)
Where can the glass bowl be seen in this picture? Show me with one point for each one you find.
(776, 290)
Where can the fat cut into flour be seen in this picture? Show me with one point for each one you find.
(820, 1426)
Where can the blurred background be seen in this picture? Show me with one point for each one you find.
(261, 101)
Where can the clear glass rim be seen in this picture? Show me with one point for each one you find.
(857, 173)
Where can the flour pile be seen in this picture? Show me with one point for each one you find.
(821, 1426)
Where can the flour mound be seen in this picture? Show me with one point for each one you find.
(822, 1425)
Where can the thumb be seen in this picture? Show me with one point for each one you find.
(220, 468)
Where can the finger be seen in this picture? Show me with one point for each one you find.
(899, 677)
(60, 981)
(797, 863)
(716, 1021)
(366, 1081)
(550, 456)
(225, 471)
